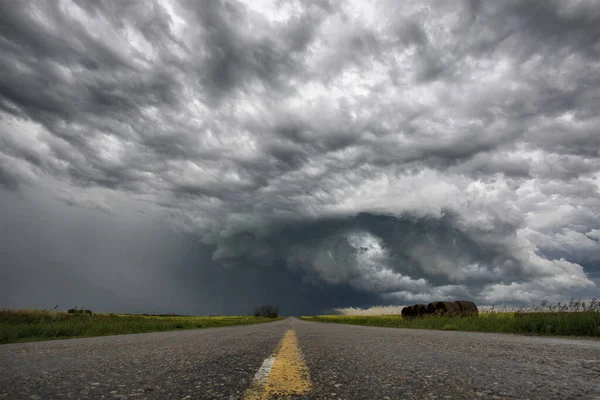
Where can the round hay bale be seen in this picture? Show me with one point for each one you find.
(431, 308)
(467, 307)
(416, 311)
(407, 312)
(452, 308)
(436, 308)
(420, 310)
(447, 308)
(426, 309)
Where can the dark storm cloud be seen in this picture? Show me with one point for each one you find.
(400, 236)
(231, 58)
(134, 266)
(396, 150)
(7, 179)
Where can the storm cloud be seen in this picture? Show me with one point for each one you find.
(372, 152)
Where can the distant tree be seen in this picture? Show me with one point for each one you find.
(266, 311)
(75, 310)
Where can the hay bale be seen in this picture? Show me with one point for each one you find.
(407, 312)
(467, 308)
(420, 310)
(446, 308)
(452, 308)
(415, 309)
(431, 307)
(437, 308)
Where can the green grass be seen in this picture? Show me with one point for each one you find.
(33, 325)
(586, 323)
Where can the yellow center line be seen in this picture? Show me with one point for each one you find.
(288, 373)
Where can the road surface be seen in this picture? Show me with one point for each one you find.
(299, 359)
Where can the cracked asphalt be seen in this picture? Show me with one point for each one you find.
(345, 362)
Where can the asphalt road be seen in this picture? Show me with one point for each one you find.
(344, 362)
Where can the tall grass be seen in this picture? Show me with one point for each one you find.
(573, 305)
(571, 319)
(31, 325)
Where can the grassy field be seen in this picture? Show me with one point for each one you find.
(544, 320)
(33, 325)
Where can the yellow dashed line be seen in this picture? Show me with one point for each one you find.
(288, 375)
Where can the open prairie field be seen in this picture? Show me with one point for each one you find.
(545, 319)
(567, 324)
(33, 325)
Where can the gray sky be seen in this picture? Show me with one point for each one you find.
(206, 157)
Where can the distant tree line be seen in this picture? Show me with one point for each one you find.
(81, 310)
(266, 311)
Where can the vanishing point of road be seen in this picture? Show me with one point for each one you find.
(295, 359)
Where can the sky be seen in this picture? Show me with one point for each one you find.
(206, 157)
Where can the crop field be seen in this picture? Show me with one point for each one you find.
(572, 319)
(33, 325)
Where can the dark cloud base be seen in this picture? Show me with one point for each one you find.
(54, 258)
